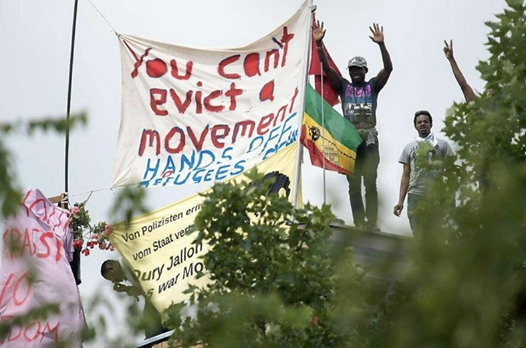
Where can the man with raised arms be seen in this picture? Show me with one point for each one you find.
(469, 95)
(359, 101)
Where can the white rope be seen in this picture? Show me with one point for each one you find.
(96, 9)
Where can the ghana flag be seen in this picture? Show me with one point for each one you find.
(336, 140)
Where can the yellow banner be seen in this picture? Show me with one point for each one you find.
(159, 250)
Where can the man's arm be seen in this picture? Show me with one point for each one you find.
(469, 95)
(383, 75)
(404, 185)
(131, 291)
(318, 34)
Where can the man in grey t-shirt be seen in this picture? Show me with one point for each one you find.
(415, 180)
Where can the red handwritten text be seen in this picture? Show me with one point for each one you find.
(219, 135)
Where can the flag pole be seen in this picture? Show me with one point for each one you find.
(299, 152)
(68, 107)
(323, 139)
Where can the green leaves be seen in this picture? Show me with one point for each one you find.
(10, 194)
(60, 125)
(56, 124)
(467, 282)
(272, 268)
(23, 321)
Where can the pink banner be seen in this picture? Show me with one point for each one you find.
(35, 271)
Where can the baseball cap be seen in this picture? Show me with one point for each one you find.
(359, 62)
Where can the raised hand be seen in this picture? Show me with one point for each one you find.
(378, 33)
(448, 49)
(318, 33)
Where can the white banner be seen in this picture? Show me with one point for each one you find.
(193, 116)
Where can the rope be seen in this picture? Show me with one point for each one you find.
(107, 22)
(91, 192)
(68, 107)
(87, 199)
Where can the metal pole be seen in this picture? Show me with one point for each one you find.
(323, 140)
(68, 107)
(297, 169)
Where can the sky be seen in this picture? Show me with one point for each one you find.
(35, 39)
